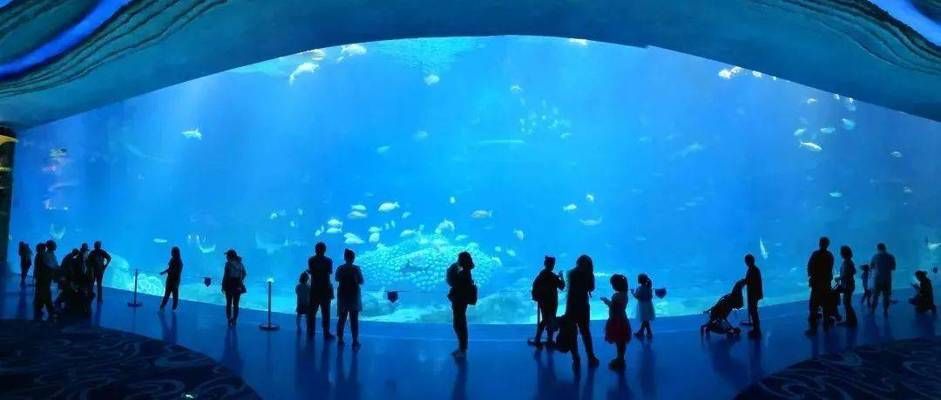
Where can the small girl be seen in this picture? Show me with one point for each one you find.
(302, 290)
(618, 328)
(867, 293)
(644, 296)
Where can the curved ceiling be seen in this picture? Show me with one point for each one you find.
(27, 25)
(850, 47)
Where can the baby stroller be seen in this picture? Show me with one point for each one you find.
(719, 313)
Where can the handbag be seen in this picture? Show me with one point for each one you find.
(472, 295)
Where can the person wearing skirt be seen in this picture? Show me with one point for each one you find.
(618, 328)
(645, 313)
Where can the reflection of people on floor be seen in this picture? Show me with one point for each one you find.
(755, 294)
(98, 260)
(924, 293)
(462, 293)
(231, 357)
(168, 331)
(729, 369)
(755, 371)
(847, 285)
(347, 381)
(883, 263)
(320, 267)
(545, 293)
(545, 376)
(26, 261)
(820, 275)
(646, 369)
(173, 272)
(459, 390)
(233, 285)
(349, 302)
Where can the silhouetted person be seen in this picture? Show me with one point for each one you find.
(302, 291)
(99, 260)
(924, 293)
(866, 300)
(174, 273)
(618, 328)
(462, 293)
(68, 289)
(320, 267)
(882, 264)
(820, 275)
(43, 292)
(349, 302)
(645, 312)
(755, 294)
(26, 261)
(233, 285)
(581, 282)
(545, 293)
(848, 285)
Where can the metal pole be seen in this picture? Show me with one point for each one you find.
(135, 303)
(268, 326)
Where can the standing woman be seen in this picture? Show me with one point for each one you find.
(463, 292)
(848, 285)
(233, 284)
(26, 261)
(173, 272)
(349, 303)
(320, 267)
(43, 292)
(577, 309)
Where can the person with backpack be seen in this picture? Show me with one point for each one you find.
(545, 293)
(581, 282)
(462, 293)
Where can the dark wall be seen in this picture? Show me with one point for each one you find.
(6, 188)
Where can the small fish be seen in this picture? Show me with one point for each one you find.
(192, 134)
(407, 233)
(757, 74)
(836, 97)
(849, 103)
(519, 234)
(58, 153)
(800, 131)
(292, 224)
(392, 223)
(481, 214)
(452, 200)
(333, 230)
(334, 222)
(351, 238)
(907, 190)
(356, 215)
(319, 231)
(693, 148)
(590, 198)
(160, 240)
(848, 124)
(358, 207)
(511, 252)
(354, 49)
(300, 211)
(406, 214)
(590, 222)
(305, 68)
(828, 130)
(432, 79)
(578, 42)
(896, 154)
(836, 195)
(374, 229)
(811, 100)
(273, 216)
(932, 246)
(388, 206)
(498, 249)
(810, 146)
(420, 136)
(762, 248)
(725, 73)
(383, 149)
(445, 226)
(317, 54)
(565, 135)
(569, 207)
(460, 237)
(374, 237)
(516, 89)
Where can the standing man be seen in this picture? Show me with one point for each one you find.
(462, 293)
(98, 260)
(320, 267)
(755, 293)
(883, 263)
(545, 293)
(819, 274)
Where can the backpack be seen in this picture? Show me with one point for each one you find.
(565, 340)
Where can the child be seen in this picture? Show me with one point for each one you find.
(349, 302)
(618, 328)
(645, 313)
(867, 292)
(546, 294)
(302, 290)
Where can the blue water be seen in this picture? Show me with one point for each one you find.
(648, 160)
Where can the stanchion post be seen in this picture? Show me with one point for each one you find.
(268, 326)
(135, 303)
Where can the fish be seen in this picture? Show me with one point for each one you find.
(907, 190)
(932, 246)
(848, 124)
(849, 103)
(358, 207)
(317, 54)
(511, 252)
(56, 234)
(432, 79)
(333, 230)
(354, 49)
(406, 214)
(828, 130)
(460, 237)
(4, 139)
(763, 249)
(333, 222)
(374, 229)
(273, 216)
(509, 142)
(61, 185)
(836, 195)
(725, 73)
(203, 248)
(58, 153)
(481, 214)
(192, 134)
(351, 238)
(836, 97)
(810, 146)
(896, 154)
(800, 131)
(516, 89)
(498, 249)
(388, 206)
(300, 211)
(445, 226)
(420, 135)
(590, 222)
(292, 224)
(356, 215)
(578, 42)
(757, 74)
(452, 200)
(569, 207)
(318, 232)
(160, 240)
(811, 100)
(374, 237)
(589, 197)
(407, 233)
(304, 68)
(565, 135)
(383, 149)
(693, 148)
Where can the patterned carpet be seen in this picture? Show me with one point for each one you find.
(906, 369)
(43, 360)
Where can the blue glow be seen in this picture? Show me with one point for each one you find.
(509, 147)
(66, 40)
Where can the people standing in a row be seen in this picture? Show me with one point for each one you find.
(320, 267)
(462, 293)
(173, 272)
(233, 285)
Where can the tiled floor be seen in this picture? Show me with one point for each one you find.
(407, 361)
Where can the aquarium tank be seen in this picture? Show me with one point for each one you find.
(512, 148)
